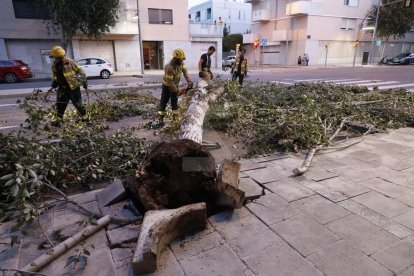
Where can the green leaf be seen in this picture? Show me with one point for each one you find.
(94, 175)
(7, 177)
(14, 239)
(70, 260)
(10, 182)
(32, 173)
(15, 190)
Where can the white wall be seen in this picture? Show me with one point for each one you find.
(229, 13)
(127, 55)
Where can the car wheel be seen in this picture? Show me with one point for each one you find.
(10, 78)
(105, 74)
(406, 62)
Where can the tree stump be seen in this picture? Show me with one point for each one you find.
(175, 174)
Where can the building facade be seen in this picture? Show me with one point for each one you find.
(164, 27)
(325, 30)
(236, 14)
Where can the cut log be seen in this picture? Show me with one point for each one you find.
(228, 183)
(160, 228)
(61, 248)
(192, 121)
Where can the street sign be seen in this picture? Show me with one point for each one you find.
(378, 43)
(263, 42)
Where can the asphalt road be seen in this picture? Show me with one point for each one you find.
(403, 74)
(383, 77)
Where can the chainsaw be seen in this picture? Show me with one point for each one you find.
(184, 90)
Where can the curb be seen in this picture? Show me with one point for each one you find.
(44, 89)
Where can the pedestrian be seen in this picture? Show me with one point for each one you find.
(239, 68)
(204, 64)
(299, 61)
(67, 77)
(220, 21)
(306, 59)
(172, 75)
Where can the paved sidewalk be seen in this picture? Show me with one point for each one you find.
(351, 214)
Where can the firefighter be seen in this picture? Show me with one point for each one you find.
(67, 77)
(239, 68)
(170, 82)
(205, 62)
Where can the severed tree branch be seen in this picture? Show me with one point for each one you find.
(306, 163)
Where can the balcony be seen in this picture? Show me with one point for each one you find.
(298, 8)
(261, 16)
(281, 35)
(249, 38)
(206, 30)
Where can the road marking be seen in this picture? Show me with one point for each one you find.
(281, 82)
(377, 83)
(394, 86)
(4, 105)
(307, 80)
(355, 82)
(8, 127)
(329, 81)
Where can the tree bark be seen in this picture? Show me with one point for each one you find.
(192, 122)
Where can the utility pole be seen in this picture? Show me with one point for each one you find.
(375, 33)
(360, 26)
(140, 39)
(287, 32)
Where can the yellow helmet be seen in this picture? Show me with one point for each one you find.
(179, 54)
(57, 51)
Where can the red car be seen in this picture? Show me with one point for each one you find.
(14, 70)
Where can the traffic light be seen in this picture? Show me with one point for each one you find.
(256, 43)
(237, 48)
(408, 3)
(356, 43)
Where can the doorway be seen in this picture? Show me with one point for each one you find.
(153, 55)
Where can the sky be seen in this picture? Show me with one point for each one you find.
(194, 2)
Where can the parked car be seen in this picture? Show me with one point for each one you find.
(96, 67)
(228, 61)
(404, 58)
(12, 71)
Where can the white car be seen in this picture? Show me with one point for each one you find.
(96, 67)
(228, 61)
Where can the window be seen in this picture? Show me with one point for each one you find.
(352, 3)
(189, 16)
(30, 9)
(198, 15)
(7, 63)
(159, 16)
(82, 62)
(209, 13)
(348, 23)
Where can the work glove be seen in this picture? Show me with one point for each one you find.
(85, 85)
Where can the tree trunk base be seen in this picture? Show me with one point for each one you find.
(175, 174)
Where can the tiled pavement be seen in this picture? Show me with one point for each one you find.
(351, 214)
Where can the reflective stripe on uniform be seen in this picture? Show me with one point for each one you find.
(170, 77)
(69, 73)
(162, 113)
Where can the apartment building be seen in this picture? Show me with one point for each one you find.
(164, 27)
(236, 14)
(323, 29)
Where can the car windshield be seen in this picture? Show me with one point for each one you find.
(403, 55)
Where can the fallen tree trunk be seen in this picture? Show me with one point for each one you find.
(61, 248)
(192, 122)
